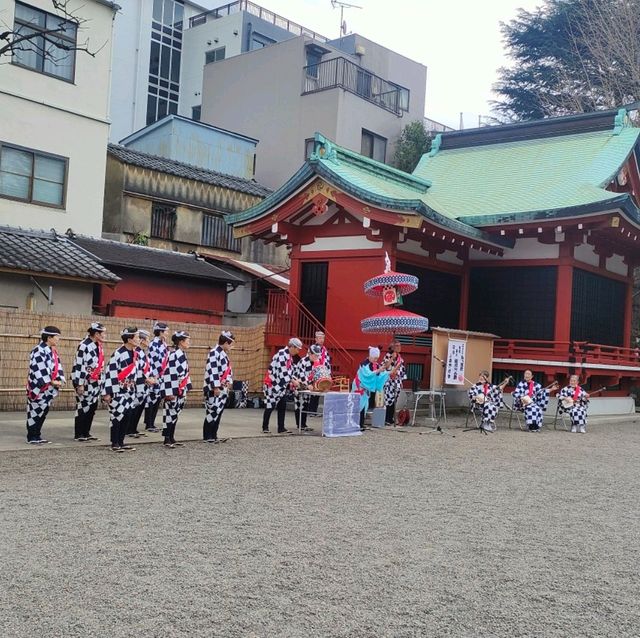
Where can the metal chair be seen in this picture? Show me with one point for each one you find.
(513, 410)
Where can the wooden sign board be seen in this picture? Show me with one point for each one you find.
(478, 355)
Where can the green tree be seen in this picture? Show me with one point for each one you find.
(413, 143)
(570, 56)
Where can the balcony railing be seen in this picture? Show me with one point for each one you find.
(580, 352)
(342, 73)
(260, 12)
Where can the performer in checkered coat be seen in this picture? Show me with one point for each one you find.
(176, 382)
(532, 399)
(218, 381)
(158, 358)
(277, 382)
(44, 381)
(578, 411)
(323, 360)
(86, 376)
(119, 390)
(487, 399)
(398, 373)
(303, 373)
(144, 383)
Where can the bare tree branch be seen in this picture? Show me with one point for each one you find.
(44, 41)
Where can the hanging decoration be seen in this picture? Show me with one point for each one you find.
(392, 286)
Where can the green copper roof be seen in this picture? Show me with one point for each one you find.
(466, 187)
(481, 184)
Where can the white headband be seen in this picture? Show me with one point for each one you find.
(129, 332)
(50, 333)
(180, 334)
(294, 342)
(227, 335)
(143, 333)
(374, 352)
(98, 327)
(158, 325)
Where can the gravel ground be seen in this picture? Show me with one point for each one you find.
(389, 534)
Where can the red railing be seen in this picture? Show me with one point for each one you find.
(287, 317)
(574, 351)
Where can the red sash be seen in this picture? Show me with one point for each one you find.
(323, 356)
(165, 363)
(183, 384)
(530, 390)
(226, 374)
(267, 380)
(576, 393)
(485, 388)
(95, 374)
(125, 372)
(33, 394)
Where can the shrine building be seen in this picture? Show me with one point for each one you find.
(528, 231)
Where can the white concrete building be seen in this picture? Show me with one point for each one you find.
(147, 55)
(55, 117)
(359, 95)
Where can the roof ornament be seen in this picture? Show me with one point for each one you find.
(387, 263)
(620, 122)
(435, 145)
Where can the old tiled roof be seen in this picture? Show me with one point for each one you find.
(115, 253)
(188, 171)
(46, 253)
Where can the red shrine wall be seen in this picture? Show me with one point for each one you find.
(162, 297)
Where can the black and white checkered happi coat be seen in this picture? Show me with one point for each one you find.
(325, 358)
(217, 374)
(143, 390)
(393, 386)
(86, 362)
(158, 353)
(278, 378)
(303, 372)
(176, 382)
(122, 391)
(40, 392)
(534, 412)
(578, 411)
(493, 401)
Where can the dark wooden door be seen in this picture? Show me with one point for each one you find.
(313, 288)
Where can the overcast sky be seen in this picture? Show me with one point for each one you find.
(459, 42)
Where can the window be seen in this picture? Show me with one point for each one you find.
(30, 176)
(216, 233)
(259, 41)
(163, 221)
(313, 60)
(48, 51)
(309, 144)
(196, 113)
(165, 58)
(215, 55)
(373, 146)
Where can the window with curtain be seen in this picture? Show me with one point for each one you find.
(30, 176)
(48, 50)
(373, 146)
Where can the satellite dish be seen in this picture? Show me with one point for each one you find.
(343, 27)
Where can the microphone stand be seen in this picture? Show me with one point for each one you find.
(437, 429)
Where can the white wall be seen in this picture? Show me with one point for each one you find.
(195, 44)
(69, 119)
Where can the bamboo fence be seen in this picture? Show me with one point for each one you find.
(20, 332)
